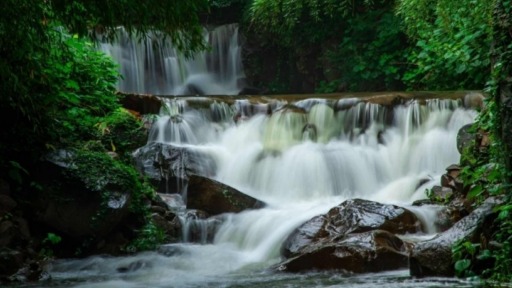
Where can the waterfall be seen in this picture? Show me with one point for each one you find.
(301, 157)
(304, 157)
(366, 150)
(153, 65)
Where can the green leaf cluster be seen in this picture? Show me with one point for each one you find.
(325, 44)
(150, 236)
(451, 43)
(121, 132)
(305, 19)
(371, 55)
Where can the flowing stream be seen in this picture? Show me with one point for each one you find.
(301, 161)
(301, 157)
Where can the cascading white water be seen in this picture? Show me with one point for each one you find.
(267, 157)
(153, 65)
(301, 159)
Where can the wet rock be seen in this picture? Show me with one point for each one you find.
(216, 198)
(143, 104)
(173, 202)
(465, 137)
(453, 170)
(450, 214)
(434, 257)
(14, 232)
(441, 194)
(169, 167)
(346, 103)
(7, 204)
(474, 100)
(291, 108)
(447, 181)
(76, 218)
(193, 89)
(351, 216)
(71, 205)
(10, 262)
(171, 227)
(371, 251)
(170, 250)
(198, 227)
(133, 266)
(112, 244)
(158, 209)
(422, 202)
(478, 141)
(422, 182)
(308, 233)
(34, 271)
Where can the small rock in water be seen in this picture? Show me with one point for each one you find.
(134, 266)
(170, 250)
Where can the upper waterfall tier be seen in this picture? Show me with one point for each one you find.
(154, 66)
(285, 149)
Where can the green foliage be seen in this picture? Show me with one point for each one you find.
(82, 81)
(100, 172)
(452, 43)
(289, 19)
(438, 198)
(121, 132)
(503, 260)
(370, 55)
(225, 3)
(110, 179)
(328, 39)
(329, 86)
(51, 240)
(465, 254)
(149, 237)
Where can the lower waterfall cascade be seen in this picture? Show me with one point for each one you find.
(300, 157)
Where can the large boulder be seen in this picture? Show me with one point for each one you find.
(351, 216)
(465, 137)
(15, 237)
(217, 198)
(80, 203)
(168, 167)
(434, 257)
(371, 251)
(165, 218)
